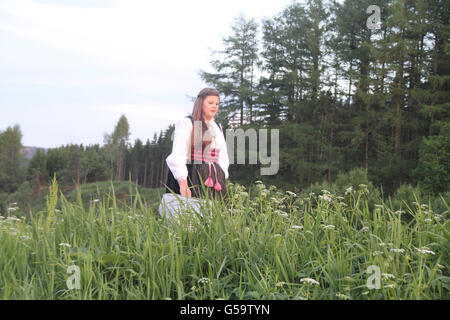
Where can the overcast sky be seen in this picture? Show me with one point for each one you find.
(70, 68)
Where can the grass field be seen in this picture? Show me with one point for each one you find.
(266, 244)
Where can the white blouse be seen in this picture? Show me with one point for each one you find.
(177, 160)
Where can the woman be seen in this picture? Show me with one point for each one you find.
(199, 152)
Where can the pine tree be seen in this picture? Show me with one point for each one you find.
(10, 159)
(234, 75)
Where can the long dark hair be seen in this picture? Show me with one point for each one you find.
(197, 115)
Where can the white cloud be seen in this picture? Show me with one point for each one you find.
(136, 57)
(157, 111)
(133, 32)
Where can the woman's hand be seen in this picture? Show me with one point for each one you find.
(184, 189)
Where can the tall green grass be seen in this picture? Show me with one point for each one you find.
(264, 244)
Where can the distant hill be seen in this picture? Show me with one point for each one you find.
(29, 152)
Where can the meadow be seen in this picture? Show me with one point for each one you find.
(265, 243)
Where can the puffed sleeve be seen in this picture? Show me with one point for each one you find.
(223, 160)
(176, 161)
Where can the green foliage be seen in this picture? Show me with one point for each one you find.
(265, 244)
(22, 196)
(405, 197)
(124, 193)
(434, 162)
(11, 176)
(234, 74)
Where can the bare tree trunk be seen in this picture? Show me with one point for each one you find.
(145, 173)
(350, 83)
(435, 71)
(367, 147)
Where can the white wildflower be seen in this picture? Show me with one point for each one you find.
(380, 206)
(425, 250)
(387, 276)
(311, 194)
(364, 229)
(275, 200)
(362, 185)
(325, 197)
(291, 193)
(438, 217)
(25, 237)
(349, 190)
(342, 296)
(13, 219)
(376, 253)
(203, 280)
(261, 186)
(309, 281)
(243, 194)
(326, 191)
(428, 220)
(12, 209)
(297, 227)
(258, 182)
(280, 284)
(397, 250)
(399, 212)
(65, 245)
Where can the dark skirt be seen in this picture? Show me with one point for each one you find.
(197, 175)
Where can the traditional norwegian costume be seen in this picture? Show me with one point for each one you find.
(211, 167)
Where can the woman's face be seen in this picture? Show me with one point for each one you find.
(210, 107)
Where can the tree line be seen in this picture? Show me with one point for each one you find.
(343, 95)
(72, 164)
